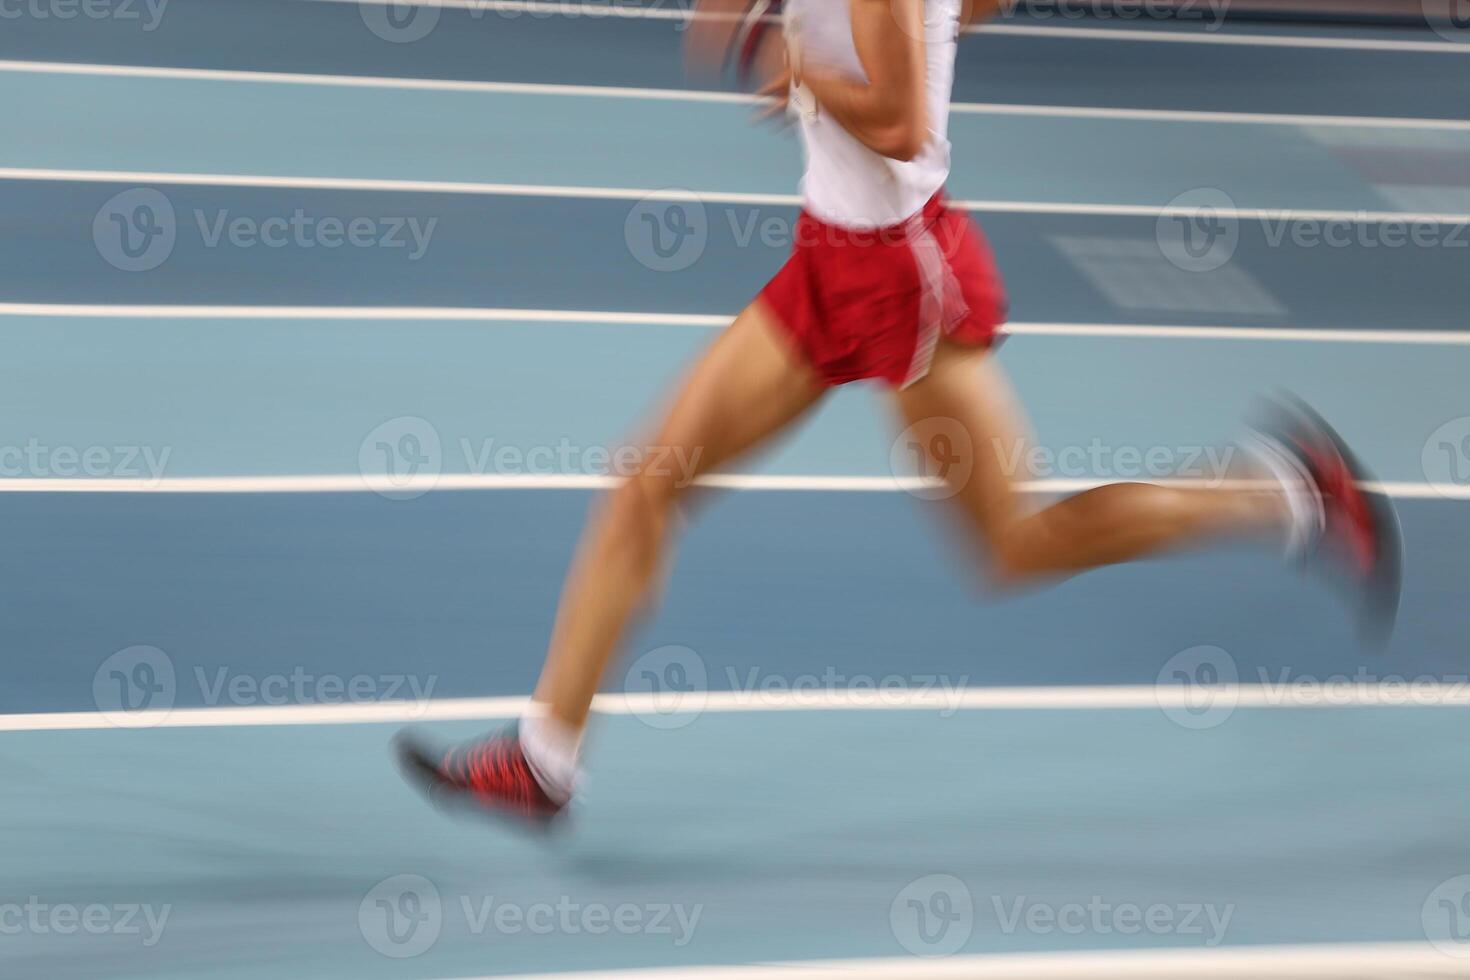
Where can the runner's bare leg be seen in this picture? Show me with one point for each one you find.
(746, 388)
(1109, 524)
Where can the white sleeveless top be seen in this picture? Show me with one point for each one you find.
(846, 183)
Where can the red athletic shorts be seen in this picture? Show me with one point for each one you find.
(873, 304)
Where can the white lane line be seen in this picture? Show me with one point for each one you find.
(1296, 334)
(1239, 40)
(698, 95)
(375, 185)
(1386, 694)
(401, 313)
(1326, 961)
(571, 9)
(396, 186)
(790, 483)
(368, 81)
(1453, 338)
(1201, 116)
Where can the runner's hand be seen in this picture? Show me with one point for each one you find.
(776, 95)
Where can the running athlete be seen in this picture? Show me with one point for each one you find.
(888, 281)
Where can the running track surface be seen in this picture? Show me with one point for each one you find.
(1065, 788)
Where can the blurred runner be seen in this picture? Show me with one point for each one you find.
(887, 281)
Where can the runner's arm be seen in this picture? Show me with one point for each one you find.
(974, 12)
(887, 113)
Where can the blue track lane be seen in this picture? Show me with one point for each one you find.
(504, 251)
(461, 588)
(267, 129)
(331, 38)
(294, 397)
(789, 834)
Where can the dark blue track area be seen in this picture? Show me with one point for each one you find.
(331, 38)
(505, 251)
(460, 588)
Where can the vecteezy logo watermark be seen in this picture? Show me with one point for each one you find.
(149, 13)
(137, 231)
(36, 917)
(1446, 917)
(1450, 19)
(38, 460)
(939, 452)
(402, 458)
(667, 687)
(403, 916)
(933, 915)
(1198, 688)
(138, 687)
(1446, 457)
(667, 231)
(1198, 231)
(1100, 917)
(400, 21)
(135, 687)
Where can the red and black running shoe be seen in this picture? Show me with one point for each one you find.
(1361, 534)
(491, 774)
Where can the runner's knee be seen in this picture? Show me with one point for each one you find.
(1023, 549)
(1012, 560)
(640, 506)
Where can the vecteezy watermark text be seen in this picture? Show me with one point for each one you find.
(403, 916)
(407, 21)
(139, 686)
(671, 229)
(830, 687)
(404, 457)
(39, 460)
(148, 13)
(565, 456)
(935, 916)
(137, 230)
(1200, 688)
(1098, 916)
(941, 452)
(37, 917)
(1213, 12)
(668, 688)
(300, 686)
(1201, 229)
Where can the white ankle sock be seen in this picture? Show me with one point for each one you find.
(1303, 505)
(552, 748)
